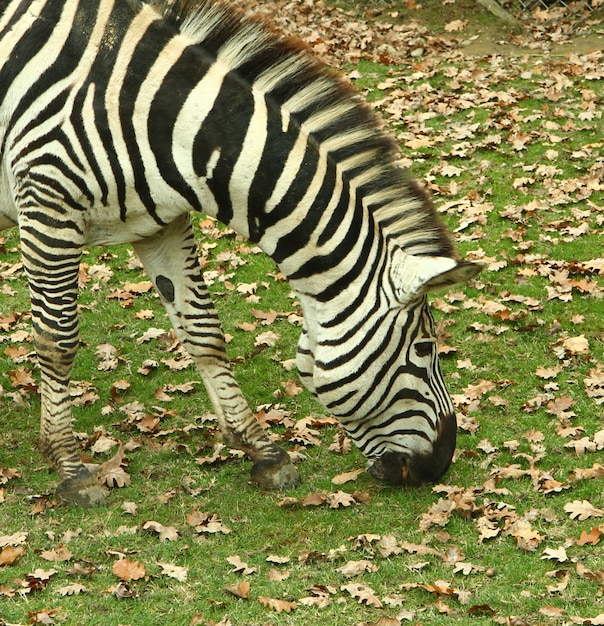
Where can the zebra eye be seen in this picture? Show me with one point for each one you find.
(424, 348)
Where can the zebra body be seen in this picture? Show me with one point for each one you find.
(118, 118)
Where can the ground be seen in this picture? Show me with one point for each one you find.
(458, 24)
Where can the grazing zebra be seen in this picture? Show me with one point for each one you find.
(120, 117)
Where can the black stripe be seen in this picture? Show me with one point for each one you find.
(175, 88)
(224, 128)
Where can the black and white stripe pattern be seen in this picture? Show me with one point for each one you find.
(119, 117)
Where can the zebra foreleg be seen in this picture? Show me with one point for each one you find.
(52, 272)
(170, 258)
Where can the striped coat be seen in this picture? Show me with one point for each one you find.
(120, 117)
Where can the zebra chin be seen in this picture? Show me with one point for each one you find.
(414, 468)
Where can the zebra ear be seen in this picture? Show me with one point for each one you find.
(413, 276)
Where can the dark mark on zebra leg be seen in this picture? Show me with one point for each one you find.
(166, 287)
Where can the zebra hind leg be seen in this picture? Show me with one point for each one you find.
(170, 258)
(52, 262)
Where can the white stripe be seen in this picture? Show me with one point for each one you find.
(152, 82)
(138, 27)
(190, 118)
(26, 20)
(288, 173)
(39, 61)
(247, 164)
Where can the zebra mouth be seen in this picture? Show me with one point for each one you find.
(392, 468)
(404, 468)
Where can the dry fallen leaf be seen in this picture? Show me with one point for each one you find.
(60, 553)
(128, 570)
(240, 590)
(240, 567)
(582, 510)
(166, 533)
(355, 568)
(279, 606)
(73, 589)
(174, 571)
(346, 477)
(363, 593)
(10, 554)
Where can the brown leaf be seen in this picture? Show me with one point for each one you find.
(21, 378)
(555, 554)
(279, 606)
(274, 575)
(279, 560)
(456, 25)
(16, 539)
(207, 523)
(10, 554)
(590, 538)
(72, 590)
(44, 616)
(355, 568)
(384, 620)
(113, 472)
(316, 498)
(60, 553)
(240, 590)
(582, 510)
(320, 596)
(346, 477)
(548, 372)
(564, 576)
(128, 570)
(291, 388)
(240, 567)
(268, 338)
(363, 593)
(340, 499)
(174, 571)
(573, 346)
(526, 538)
(166, 533)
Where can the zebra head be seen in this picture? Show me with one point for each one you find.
(372, 361)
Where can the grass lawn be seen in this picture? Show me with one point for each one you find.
(511, 148)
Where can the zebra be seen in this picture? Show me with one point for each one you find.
(119, 118)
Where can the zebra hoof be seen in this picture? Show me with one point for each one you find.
(275, 476)
(83, 492)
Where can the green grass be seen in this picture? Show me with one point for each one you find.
(508, 579)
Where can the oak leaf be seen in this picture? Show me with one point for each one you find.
(128, 570)
(166, 533)
(274, 575)
(240, 590)
(240, 567)
(582, 510)
(60, 553)
(72, 590)
(340, 499)
(555, 554)
(355, 568)
(346, 477)
(113, 472)
(174, 571)
(279, 606)
(9, 554)
(363, 593)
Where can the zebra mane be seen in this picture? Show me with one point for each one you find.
(331, 113)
